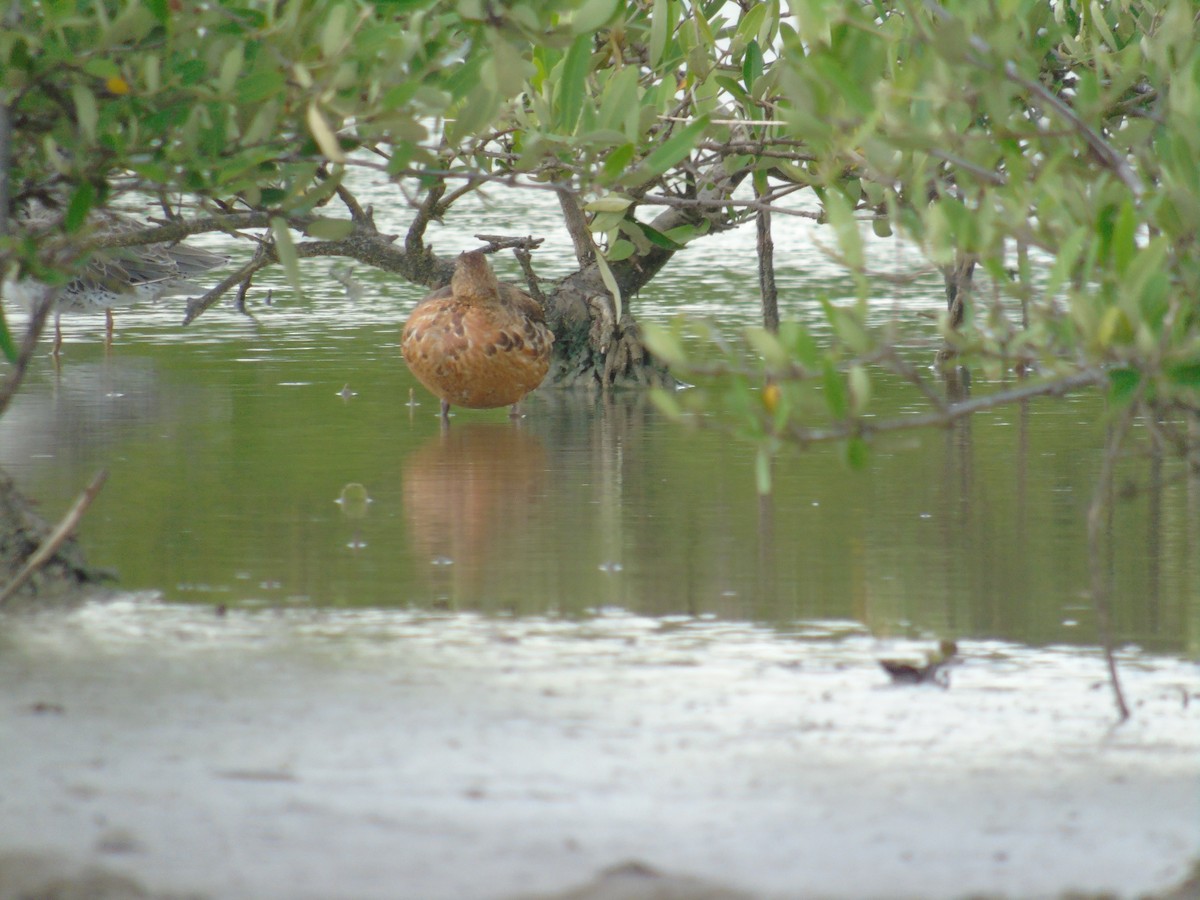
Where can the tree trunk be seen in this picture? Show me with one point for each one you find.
(958, 278)
(591, 346)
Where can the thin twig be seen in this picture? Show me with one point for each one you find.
(56, 538)
(262, 257)
(766, 265)
(535, 288)
(431, 208)
(497, 242)
(1098, 511)
(577, 227)
(33, 332)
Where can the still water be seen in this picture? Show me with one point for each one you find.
(229, 444)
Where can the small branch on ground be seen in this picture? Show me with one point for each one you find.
(56, 538)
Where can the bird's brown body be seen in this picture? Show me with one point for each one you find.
(477, 343)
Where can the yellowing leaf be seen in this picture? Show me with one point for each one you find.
(330, 229)
(768, 346)
(613, 203)
(86, 113)
(323, 134)
(231, 68)
(1114, 327)
(288, 257)
(860, 389)
(610, 282)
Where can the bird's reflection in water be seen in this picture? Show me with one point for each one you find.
(468, 493)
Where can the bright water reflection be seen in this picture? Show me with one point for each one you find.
(229, 442)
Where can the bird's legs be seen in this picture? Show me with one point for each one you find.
(57, 348)
(108, 328)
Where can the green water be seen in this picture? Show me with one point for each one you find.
(228, 444)
(225, 465)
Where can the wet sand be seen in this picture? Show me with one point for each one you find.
(167, 751)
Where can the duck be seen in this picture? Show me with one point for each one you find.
(115, 276)
(477, 343)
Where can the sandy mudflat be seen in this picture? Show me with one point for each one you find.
(373, 754)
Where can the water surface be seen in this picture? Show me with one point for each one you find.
(229, 442)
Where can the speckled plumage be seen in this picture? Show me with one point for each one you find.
(477, 343)
(116, 276)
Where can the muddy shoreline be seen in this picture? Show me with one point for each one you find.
(165, 750)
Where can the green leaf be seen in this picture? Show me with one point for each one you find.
(848, 326)
(330, 229)
(1122, 383)
(1185, 375)
(474, 113)
(658, 239)
(1124, 244)
(260, 85)
(751, 22)
(664, 343)
(860, 389)
(620, 249)
(613, 203)
(604, 222)
(801, 344)
(662, 25)
(619, 105)
(287, 254)
(572, 84)
(857, 453)
(507, 66)
(1064, 262)
(666, 403)
(231, 68)
(738, 92)
(617, 162)
(323, 134)
(835, 390)
(83, 198)
(669, 152)
(6, 343)
(841, 217)
(158, 8)
(752, 64)
(762, 471)
(86, 112)
(101, 68)
(593, 15)
(768, 346)
(334, 31)
(610, 282)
